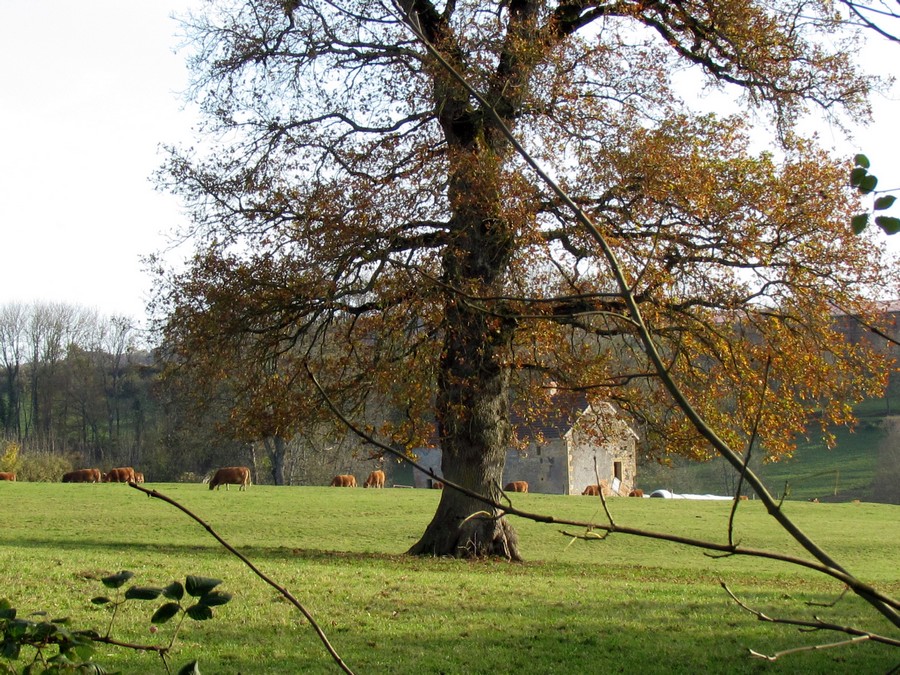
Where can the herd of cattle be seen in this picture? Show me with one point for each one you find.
(240, 476)
(119, 475)
(376, 479)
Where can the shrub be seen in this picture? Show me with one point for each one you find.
(9, 457)
(42, 466)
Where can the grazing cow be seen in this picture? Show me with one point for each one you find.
(637, 492)
(344, 480)
(7, 475)
(138, 477)
(437, 485)
(231, 475)
(517, 486)
(83, 476)
(743, 498)
(375, 480)
(597, 490)
(124, 474)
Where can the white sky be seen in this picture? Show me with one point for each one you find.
(88, 91)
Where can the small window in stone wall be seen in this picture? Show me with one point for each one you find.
(617, 470)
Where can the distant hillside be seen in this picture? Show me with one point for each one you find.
(864, 465)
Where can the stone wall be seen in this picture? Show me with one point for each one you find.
(545, 467)
(600, 435)
(565, 465)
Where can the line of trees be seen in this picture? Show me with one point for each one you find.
(80, 388)
(73, 381)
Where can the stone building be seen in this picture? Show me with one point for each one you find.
(561, 458)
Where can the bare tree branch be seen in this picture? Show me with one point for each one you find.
(285, 593)
(814, 624)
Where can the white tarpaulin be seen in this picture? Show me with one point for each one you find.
(665, 494)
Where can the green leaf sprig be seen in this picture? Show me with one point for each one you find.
(865, 182)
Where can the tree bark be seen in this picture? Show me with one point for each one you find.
(472, 406)
(276, 447)
(473, 424)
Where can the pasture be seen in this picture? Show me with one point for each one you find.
(624, 604)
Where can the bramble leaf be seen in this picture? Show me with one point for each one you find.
(7, 611)
(885, 202)
(197, 586)
(889, 224)
(142, 593)
(199, 612)
(10, 650)
(215, 598)
(859, 222)
(165, 612)
(117, 580)
(174, 591)
(84, 651)
(857, 175)
(867, 184)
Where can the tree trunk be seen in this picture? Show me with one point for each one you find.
(276, 447)
(472, 410)
(450, 533)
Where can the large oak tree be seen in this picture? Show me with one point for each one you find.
(356, 211)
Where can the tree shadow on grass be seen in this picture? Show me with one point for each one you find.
(487, 635)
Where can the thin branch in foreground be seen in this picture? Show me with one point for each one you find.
(164, 653)
(753, 436)
(815, 624)
(807, 648)
(833, 602)
(285, 593)
(589, 535)
(600, 493)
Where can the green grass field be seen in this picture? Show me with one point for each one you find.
(620, 605)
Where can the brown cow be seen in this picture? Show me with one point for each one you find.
(375, 480)
(231, 475)
(517, 486)
(437, 485)
(124, 474)
(138, 477)
(83, 476)
(599, 489)
(7, 475)
(637, 492)
(344, 480)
